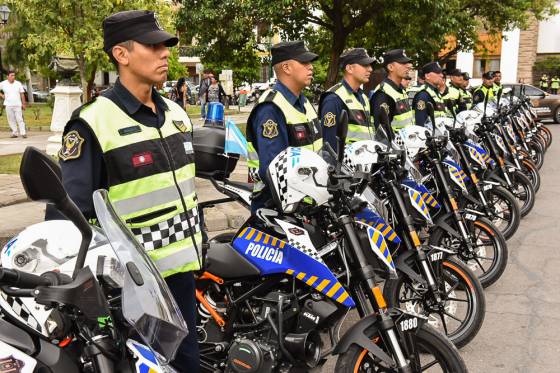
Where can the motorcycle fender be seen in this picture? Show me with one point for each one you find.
(494, 176)
(356, 335)
(403, 266)
(442, 223)
(471, 198)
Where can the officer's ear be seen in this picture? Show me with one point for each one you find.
(121, 52)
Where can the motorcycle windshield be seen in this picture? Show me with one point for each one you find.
(147, 303)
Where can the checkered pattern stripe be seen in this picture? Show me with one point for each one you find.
(304, 249)
(21, 310)
(399, 141)
(169, 231)
(254, 174)
(282, 176)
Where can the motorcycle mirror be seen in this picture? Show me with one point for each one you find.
(342, 133)
(42, 181)
(430, 108)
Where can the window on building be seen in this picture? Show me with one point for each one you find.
(481, 65)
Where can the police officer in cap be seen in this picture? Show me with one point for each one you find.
(466, 95)
(347, 95)
(282, 116)
(454, 91)
(486, 89)
(138, 145)
(390, 97)
(433, 75)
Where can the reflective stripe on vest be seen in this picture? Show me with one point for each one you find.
(467, 98)
(439, 109)
(485, 90)
(453, 95)
(359, 116)
(151, 180)
(404, 115)
(295, 120)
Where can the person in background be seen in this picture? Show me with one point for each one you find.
(486, 89)
(14, 101)
(215, 91)
(466, 95)
(554, 85)
(204, 84)
(406, 82)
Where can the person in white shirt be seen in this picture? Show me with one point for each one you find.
(14, 101)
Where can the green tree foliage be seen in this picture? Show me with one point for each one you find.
(73, 28)
(420, 26)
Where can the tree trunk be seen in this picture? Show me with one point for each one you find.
(83, 80)
(337, 47)
(90, 80)
(29, 85)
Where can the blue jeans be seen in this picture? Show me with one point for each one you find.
(203, 109)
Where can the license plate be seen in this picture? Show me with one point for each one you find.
(487, 187)
(470, 217)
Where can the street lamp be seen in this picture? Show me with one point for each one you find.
(4, 15)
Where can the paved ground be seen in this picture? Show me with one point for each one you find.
(18, 145)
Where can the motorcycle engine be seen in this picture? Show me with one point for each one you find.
(248, 356)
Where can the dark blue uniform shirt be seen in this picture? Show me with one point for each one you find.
(419, 105)
(87, 173)
(268, 148)
(333, 104)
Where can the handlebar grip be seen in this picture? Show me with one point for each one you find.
(23, 280)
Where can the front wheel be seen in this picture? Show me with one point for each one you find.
(523, 191)
(431, 352)
(504, 210)
(487, 254)
(460, 312)
(530, 170)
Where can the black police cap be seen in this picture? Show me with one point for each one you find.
(432, 67)
(138, 25)
(291, 50)
(488, 75)
(455, 72)
(466, 76)
(395, 55)
(355, 55)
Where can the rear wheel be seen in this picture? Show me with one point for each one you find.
(431, 352)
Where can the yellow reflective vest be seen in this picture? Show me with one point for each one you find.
(404, 115)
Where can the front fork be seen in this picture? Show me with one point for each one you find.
(375, 295)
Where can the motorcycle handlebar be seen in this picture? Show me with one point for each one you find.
(23, 280)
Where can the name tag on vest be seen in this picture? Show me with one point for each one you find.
(129, 130)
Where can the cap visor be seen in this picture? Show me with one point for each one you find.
(365, 61)
(403, 60)
(306, 57)
(157, 37)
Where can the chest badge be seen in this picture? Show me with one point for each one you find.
(180, 125)
(270, 129)
(142, 159)
(71, 146)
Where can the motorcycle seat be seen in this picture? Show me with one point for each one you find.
(223, 261)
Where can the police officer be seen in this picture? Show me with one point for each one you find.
(138, 145)
(554, 85)
(544, 82)
(413, 90)
(347, 95)
(282, 116)
(466, 95)
(390, 97)
(498, 88)
(486, 89)
(454, 91)
(429, 93)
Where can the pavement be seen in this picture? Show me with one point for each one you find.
(521, 331)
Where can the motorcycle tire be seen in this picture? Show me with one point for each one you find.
(426, 340)
(537, 153)
(487, 238)
(542, 140)
(462, 295)
(523, 191)
(506, 215)
(529, 169)
(545, 132)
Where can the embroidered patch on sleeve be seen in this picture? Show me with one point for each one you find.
(421, 105)
(180, 125)
(71, 146)
(329, 119)
(270, 129)
(385, 107)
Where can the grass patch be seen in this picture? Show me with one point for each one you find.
(36, 115)
(9, 164)
(194, 111)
